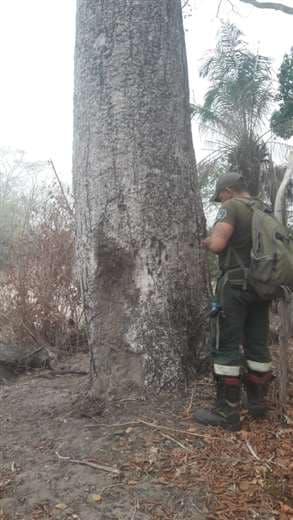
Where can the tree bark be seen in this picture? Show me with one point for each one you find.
(284, 304)
(138, 209)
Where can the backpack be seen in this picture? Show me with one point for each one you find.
(271, 267)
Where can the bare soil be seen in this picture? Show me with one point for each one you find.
(159, 464)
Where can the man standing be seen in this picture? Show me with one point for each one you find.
(240, 319)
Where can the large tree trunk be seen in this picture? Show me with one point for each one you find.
(138, 208)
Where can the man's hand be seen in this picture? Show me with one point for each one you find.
(205, 243)
(219, 238)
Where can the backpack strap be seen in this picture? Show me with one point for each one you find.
(231, 251)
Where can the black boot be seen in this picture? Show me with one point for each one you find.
(256, 385)
(226, 410)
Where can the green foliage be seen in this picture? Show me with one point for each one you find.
(237, 103)
(282, 119)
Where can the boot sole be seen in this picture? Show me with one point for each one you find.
(257, 415)
(231, 427)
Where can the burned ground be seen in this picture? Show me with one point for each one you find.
(156, 462)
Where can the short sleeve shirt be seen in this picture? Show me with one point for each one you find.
(239, 215)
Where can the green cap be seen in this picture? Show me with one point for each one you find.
(228, 180)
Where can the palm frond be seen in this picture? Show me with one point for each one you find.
(237, 101)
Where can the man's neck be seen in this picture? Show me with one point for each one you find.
(242, 195)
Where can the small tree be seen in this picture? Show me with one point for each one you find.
(282, 119)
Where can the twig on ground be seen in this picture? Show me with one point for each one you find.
(135, 510)
(106, 488)
(189, 407)
(166, 436)
(120, 425)
(156, 427)
(109, 469)
(66, 372)
(252, 451)
(129, 399)
(174, 430)
(254, 454)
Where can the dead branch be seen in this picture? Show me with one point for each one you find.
(184, 4)
(67, 372)
(166, 436)
(252, 451)
(109, 469)
(61, 187)
(52, 373)
(189, 407)
(270, 5)
(174, 430)
(31, 354)
(219, 8)
(156, 427)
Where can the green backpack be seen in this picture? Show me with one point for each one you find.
(271, 267)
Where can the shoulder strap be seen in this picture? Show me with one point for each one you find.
(249, 203)
(231, 251)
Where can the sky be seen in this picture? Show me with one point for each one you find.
(36, 57)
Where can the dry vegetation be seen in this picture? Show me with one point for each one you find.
(164, 466)
(140, 460)
(39, 293)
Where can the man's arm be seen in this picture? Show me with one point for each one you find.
(219, 238)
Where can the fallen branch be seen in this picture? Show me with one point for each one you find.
(118, 425)
(174, 430)
(254, 454)
(156, 427)
(189, 408)
(30, 354)
(107, 488)
(166, 436)
(109, 469)
(66, 372)
(252, 451)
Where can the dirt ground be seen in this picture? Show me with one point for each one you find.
(140, 460)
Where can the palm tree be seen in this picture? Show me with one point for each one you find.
(236, 104)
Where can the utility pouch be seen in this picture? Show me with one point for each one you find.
(237, 277)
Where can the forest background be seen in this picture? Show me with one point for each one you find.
(36, 104)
